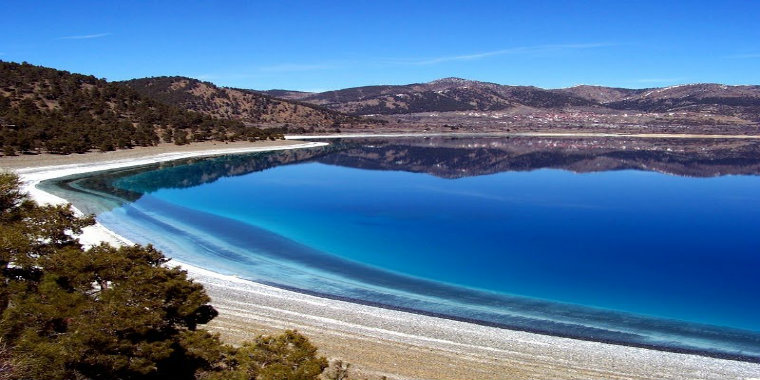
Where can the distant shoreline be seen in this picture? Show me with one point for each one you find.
(25, 161)
(381, 341)
(525, 134)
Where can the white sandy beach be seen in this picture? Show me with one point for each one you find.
(393, 343)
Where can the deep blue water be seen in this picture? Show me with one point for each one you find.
(625, 256)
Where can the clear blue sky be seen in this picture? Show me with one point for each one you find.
(320, 45)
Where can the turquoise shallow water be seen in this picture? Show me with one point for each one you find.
(624, 256)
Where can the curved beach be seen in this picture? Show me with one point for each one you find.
(379, 341)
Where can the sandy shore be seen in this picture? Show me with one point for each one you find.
(161, 152)
(379, 341)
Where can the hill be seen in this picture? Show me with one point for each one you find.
(740, 101)
(44, 109)
(601, 94)
(250, 107)
(443, 95)
(482, 105)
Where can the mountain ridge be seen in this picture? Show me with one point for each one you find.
(248, 106)
(350, 107)
(45, 109)
(452, 101)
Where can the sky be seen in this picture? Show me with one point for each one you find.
(326, 45)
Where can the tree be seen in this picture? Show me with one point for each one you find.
(289, 356)
(104, 312)
(338, 370)
(113, 313)
(9, 150)
(180, 137)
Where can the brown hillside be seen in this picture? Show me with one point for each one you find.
(247, 106)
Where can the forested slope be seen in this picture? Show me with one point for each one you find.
(43, 109)
(248, 106)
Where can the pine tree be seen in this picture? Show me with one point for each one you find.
(113, 313)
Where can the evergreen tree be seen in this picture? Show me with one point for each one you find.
(113, 313)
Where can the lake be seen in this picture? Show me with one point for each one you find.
(641, 242)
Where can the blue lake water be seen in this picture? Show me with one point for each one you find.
(626, 256)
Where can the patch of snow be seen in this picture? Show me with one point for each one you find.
(661, 90)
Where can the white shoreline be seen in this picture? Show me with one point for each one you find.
(31, 177)
(526, 134)
(243, 301)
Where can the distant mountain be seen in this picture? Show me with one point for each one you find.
(250, 107)
(741, 101)
(449, 94)
(48, 110)
(456, 94)
(600, 94)
(287, 94)
(44, 109)
(738, 101)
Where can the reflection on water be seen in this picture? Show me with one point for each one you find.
(298, 226)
